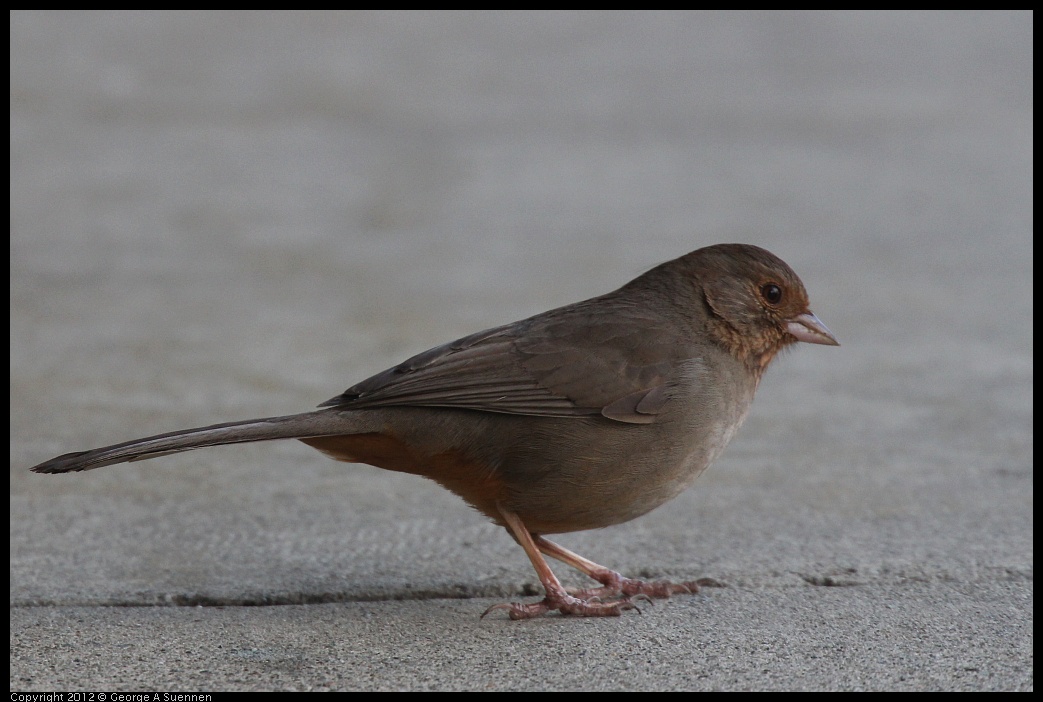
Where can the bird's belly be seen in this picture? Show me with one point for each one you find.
(612, 472)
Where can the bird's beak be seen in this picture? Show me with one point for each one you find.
(809, 328)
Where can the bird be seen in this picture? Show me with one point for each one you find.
(582, 417)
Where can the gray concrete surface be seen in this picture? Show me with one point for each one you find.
(219, 216)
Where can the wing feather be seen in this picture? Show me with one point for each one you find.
(568, 362)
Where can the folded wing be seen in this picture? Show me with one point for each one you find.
(564, 363)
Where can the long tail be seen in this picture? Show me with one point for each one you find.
(294, 426)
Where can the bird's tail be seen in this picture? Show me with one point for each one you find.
(294, 426)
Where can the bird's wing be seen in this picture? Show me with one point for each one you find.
(570, 362)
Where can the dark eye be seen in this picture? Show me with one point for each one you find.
(772, 293)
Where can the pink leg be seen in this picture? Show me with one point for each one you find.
(614, 584)
(557, 598)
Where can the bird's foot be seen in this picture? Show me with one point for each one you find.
(567, 605)
(615, 585)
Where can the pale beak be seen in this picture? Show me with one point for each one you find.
(809, 328)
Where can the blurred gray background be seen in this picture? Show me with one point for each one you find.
(217, 216)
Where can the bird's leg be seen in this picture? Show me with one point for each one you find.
(614, 584)
(557, 598)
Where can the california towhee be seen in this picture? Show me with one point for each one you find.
(585, 416)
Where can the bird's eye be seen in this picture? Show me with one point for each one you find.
(772, 293)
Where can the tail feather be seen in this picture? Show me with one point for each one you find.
(296, 426)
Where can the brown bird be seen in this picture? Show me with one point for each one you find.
(581, 417)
